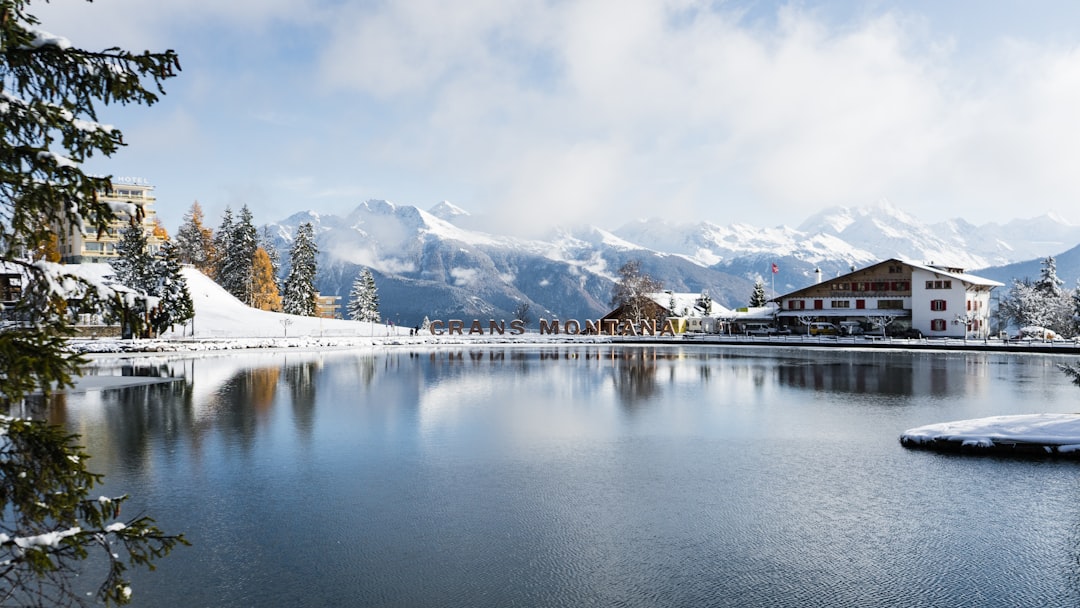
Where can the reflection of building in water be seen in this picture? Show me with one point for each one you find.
(849, 377)
(895, 374)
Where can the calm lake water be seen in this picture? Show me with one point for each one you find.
(587, 476)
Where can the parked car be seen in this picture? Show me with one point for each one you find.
(851, 328)
(757, 329)
(823, 329)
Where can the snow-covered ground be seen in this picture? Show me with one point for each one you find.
(222, 322)
(220, 315)
(1026, 434)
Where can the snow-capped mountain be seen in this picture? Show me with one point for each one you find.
(431, 263)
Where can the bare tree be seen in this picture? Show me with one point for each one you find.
(632, 290)
(521, 312)
(881, 321)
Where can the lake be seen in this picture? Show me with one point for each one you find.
(589, 475)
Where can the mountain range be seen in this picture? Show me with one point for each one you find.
(435, 264)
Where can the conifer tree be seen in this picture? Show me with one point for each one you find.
(364, 298)
(757, 298)
(267, 243)
(300, 294)
(194, 241)
(174, 300)
(49, 94)
(237, 262)
(1049, 284)
(236, 270)
(134, 266)
(222, 240)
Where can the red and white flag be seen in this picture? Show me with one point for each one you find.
(775, 268)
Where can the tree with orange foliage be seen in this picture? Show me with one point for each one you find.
(264, 289)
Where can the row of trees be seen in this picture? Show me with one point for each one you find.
(247, 264)
(1045, 303)
(157, 280)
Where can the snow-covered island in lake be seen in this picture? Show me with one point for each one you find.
(1022, 435)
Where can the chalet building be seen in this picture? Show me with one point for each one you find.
(688, 311)
(898, 297)
(79, 247)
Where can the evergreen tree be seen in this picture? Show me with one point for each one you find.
(300, 294)
(134, 266)
(265, 294)
(272, 253)
(1075, 297)
(757, 298)
(222, 240)
(175, 306)
(48, 129)
(364, 298)
(194, 241)
(1049, 284)
(237, 264)
(1037, 305)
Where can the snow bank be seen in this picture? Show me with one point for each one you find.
(1026, 433)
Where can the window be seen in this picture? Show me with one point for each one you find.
(840, 304)
(860, 304)
(937, 305)
(891, 304)
(937, 325)
(796, 304)
(939, 284)
(819, 304)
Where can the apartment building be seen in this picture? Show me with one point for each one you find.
(81, 247)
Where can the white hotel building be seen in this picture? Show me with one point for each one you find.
(937, 301)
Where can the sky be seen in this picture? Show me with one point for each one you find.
(532, 113)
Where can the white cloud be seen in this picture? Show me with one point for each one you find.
(607, 110)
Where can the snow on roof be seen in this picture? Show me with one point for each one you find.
(955, 274)
(686, 304)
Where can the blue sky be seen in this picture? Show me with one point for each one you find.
(537, 112)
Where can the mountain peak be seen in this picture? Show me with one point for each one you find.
(445, 210)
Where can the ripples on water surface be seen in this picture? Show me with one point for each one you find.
(588, 476)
